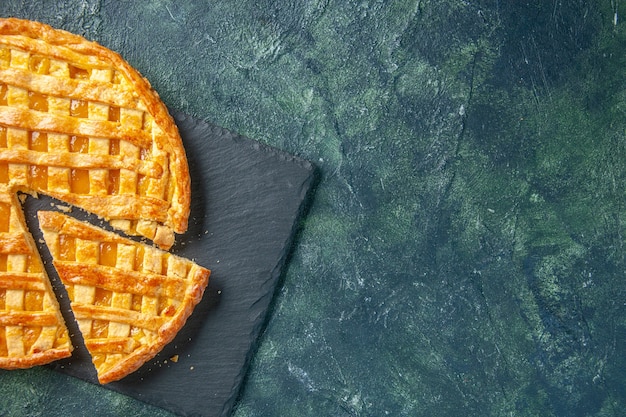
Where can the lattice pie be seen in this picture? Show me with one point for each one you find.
(77, 123)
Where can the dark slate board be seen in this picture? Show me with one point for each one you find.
(247, 199)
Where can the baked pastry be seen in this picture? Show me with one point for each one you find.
(129, 299)
(32, 330)
(78, 123)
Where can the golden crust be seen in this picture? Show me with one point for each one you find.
(120, 331)
(34, 359)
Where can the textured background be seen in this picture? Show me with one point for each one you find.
(464, 254)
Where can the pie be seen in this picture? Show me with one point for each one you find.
(129, 299)
(79, 124)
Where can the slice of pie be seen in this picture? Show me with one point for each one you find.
(129, 299)
(32, 330)
(78, 123)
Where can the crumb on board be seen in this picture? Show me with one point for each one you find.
(174, 358)
(64, 208)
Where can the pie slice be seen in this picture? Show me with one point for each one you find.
(129, 299)
(32, 330)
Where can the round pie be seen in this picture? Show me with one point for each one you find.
(79, 124)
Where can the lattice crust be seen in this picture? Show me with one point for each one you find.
(78, 123)
(129, 299)
(32, 330)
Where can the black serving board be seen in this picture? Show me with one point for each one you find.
(247, 199)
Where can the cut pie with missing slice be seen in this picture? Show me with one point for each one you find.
(79, 124)
(129, 299)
